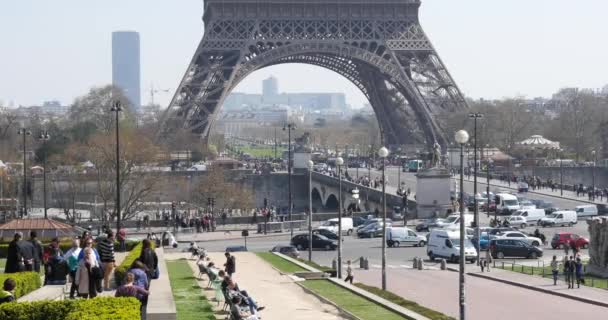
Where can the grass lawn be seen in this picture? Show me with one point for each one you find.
(545, 272)
(279, 263)
(261, 151)
(357, 305)
(189, 299)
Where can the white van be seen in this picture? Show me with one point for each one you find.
(559, 218)
(587, 210)
(453, 220)
(532, 215)
(332, 225)
(506, 203)
(446, 244)
(397, 236)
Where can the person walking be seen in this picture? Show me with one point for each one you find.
(149, 259)
(106, 253)
(572, 270)
(122, 238)
(488, 260)
(566, 247)
(349, 273)
(230, 265)
(71, 256)
(88, 270)
(554, 269)
(14, 260)
(567, 270)
(37, 250)
(578, 267)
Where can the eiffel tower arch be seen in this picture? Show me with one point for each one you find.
(378, 45)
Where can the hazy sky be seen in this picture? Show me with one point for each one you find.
(58, 49)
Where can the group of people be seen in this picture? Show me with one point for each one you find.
(242, 305)
(142, 271)
(572, 268)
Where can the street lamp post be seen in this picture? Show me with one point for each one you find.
(289, 127)
(594, 154)
(24, 132)
(117, 108)
(44, 137)
(383, 153)
(461, 138)
(561, 172)
(310, 167)
(339, 163)
(487, 191)
(475, 116)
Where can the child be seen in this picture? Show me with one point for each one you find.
(349, 273)
(7, 294)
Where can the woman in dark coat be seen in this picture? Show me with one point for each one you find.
(149, 259)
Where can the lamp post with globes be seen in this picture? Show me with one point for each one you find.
(310, 167)
(561, 172)
(44, 137)
(289, 128)
(24, 132)
(461, 138)
(594, 154)
(117, 108)
(383, 153)
(339, 163)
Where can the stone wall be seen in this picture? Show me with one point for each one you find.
(598, 246)
(571, 175)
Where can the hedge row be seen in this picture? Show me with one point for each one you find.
(26, 282)
(121, 271)
(65, 246)
(101, 308)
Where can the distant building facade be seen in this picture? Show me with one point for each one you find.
(126, 65)
(237, 123)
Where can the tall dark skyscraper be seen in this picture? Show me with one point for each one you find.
(125, 65)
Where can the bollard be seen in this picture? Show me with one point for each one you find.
(444, 264)
(420, 262)
(334, 264)
(415, 263)
(362, 263)
(366, 264)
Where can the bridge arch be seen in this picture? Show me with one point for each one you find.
(317, 200)
(332, 203)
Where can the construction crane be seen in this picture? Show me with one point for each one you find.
(154, 91)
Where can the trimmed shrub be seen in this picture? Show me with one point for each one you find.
(101, 308)
(26, 282)
(121, 271)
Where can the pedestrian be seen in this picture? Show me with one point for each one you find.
(106, 253)
(37, 250)
(573, 247)
(567, 270)
(578, 266)
(554, 269)
(488, 260)
(14, 259)
(149, 258)
(87, 274)
(72, 258)
(6, 295)
(349, 272)
(230, 265)
(130, 289)
(122, 238)
(572, 269)
(55, 267)
(566, 247)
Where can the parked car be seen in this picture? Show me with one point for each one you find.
(357, 221)
(518, 221)
(324, 232)
(493, 232)
(484, 241)
(289, 251)
(588, 210)
(332, 225)
(532, 216)
(398, 236)
(501, 248)
(429, 224)
(559, 218)
(318, 242)
(371, 221)
(520, 236)
(562, 239)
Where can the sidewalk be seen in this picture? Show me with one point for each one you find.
(119, 257)
(281, 296)
(584, 294)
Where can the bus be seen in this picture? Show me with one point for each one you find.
(414, 165)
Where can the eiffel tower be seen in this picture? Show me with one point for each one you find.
(378, 45)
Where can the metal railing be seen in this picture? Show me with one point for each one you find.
(544, 270)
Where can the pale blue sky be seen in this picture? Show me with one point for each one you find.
(58, 49)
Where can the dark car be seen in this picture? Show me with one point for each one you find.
(562, 239)
(497, 231)
(429, 224)
(236, 249)
(501, 248)
(327, 233)
(371, 231)
(318, 242)
(357, 221)
(290, 251)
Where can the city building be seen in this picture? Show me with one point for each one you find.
(270, 87)
(126, 65)
(238, 123)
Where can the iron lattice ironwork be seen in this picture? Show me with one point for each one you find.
(378, 45)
